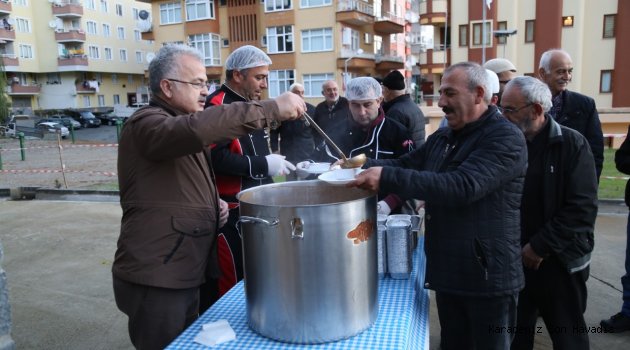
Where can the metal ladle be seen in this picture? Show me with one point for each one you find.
(354, 162)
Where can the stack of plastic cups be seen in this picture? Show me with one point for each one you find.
(382, 245)
(398, 247)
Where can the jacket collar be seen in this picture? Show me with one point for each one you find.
(555, 131)
(157, 101)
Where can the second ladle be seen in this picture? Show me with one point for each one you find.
(354, 162)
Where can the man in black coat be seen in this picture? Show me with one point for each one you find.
(471, 177)
(558, 214)
(331, 114)
(570, 108)
(400, 107)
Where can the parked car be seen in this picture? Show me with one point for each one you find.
(53, 128)
(109, 118)
(64, 120)
(86, 118)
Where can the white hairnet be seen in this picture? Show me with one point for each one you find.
(363, 88)
(493, 81)
(245, 57)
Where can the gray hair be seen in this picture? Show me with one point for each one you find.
(363, 88)
(295, 85)
(477, 76)
(167, 63)
(545, 58)
(534, 91)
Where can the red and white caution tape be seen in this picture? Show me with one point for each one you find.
(49, 171)
(62, 146)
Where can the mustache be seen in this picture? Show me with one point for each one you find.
(447, 110)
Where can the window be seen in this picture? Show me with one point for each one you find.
(350, 38)
(502, 40)
(280, 39)
(53, 78)
(478, 32)
(529, 31)
(367, 38)
(208, 45)
(22, 25)
(122, 54)
(463, 35)
(101, 100)
(26, 51)
(90, 4)
(609, 26)
(114, 78)
(104, 6)
(279, 81)
(138, 56)
(86, 101)
(108, 53)
(315, 40)
(129, 79)
(90, 26)
(116, 99)
(170, 13)
(605, 81)
(136, 35)
(107, 31)
(94, 52)
(20, 2)
(277, 5)
(121, 33)
(314, 3)
(119, 9)
(199, 9)
(135, 13)
(313, 83)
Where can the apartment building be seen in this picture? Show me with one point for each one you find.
(309, 41)
(595, 33)
(61, 54)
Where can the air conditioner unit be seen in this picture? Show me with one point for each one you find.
(225, 43)
(263, 41)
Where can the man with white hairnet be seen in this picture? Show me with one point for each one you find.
(240, 164)
(368, 132)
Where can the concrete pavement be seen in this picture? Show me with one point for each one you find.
(58, 257)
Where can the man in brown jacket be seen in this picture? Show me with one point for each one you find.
(171, 209)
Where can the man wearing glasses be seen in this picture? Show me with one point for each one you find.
(241, 163)
(558, 211)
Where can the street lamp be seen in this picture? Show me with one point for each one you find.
(504, 33)
(345, 64)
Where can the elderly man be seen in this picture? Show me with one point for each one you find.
(240, 164)
(171, 209)
(504, 70)
(296, 136)
(400, 107)
(558, 212)
(570, 108)
(471, 177)
(331, 114)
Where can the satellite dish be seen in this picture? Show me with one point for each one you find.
(150, 56)
(52, 24)
(143, 14)
(144, 25)
(11, 21)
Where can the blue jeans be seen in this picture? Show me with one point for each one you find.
(625, 280)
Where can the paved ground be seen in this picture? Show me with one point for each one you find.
(58, 258)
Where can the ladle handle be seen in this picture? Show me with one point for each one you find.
(321, 132)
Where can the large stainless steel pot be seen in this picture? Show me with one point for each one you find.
(310, 260)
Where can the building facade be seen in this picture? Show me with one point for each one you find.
(309, 41)
(83, 54)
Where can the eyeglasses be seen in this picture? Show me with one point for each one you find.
(505, 111)
(198, 86)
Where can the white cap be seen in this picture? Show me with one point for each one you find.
(499, 65)
(245, 57)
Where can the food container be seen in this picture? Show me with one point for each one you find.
(310, 260)
(382, 250)
(399, 247)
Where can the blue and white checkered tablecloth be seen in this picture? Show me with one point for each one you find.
(402, 323)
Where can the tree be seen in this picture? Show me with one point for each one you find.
(5, 104)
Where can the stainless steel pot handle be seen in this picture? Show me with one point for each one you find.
(255, 220)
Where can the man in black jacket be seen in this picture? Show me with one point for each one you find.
(570, 108)
(471, 177)
(558, 214)
(400, 107)
(331, 115)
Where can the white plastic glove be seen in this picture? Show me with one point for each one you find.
(277, 165)
(383, 208)
(301, 169)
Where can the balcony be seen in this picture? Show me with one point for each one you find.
(6, 35)
(72, 62)
(364, 61)
(70, 36)
(433, 12)
(26, 90)
(5, 6)
(434, 60)
(387, 62)
(389, 24)
(355, 12)
(67, 9)
(10, 60)
(87, 87)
